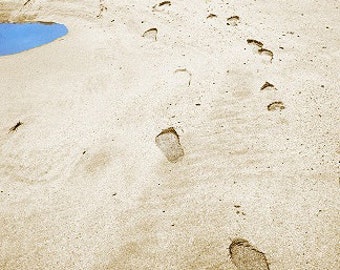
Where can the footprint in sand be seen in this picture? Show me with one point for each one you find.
(247, 257)
(211, 15)
(268, 86)
(256, 43)
(151, 34)
(169, 143)
(276, 105)
(233, 20)
(183, 75)
(258, 48)
(162, 6)
(268, 53)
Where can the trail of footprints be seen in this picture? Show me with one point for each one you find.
(276, 105)
(243, 255)
(258, 46)
(152, 33)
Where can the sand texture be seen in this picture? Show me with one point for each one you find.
(154, 134)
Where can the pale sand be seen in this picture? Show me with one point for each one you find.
(83, 183)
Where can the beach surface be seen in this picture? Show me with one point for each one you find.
(152, 135)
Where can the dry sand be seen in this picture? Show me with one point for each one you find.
(83, 183)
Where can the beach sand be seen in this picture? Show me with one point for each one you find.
(92, 178)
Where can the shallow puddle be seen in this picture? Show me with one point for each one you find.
(18, 37)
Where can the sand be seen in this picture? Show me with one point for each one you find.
(83, 183)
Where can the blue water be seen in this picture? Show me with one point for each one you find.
(18, 37)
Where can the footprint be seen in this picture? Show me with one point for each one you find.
(161, 6)
(233, 20)
(169, 143)
(268, 86)
(254, 42)
(259, 48)
(266, 52)
(211, 15)
(97, 162)
(151, 34)
(186, 72)
(277, 105)
(247, 257)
